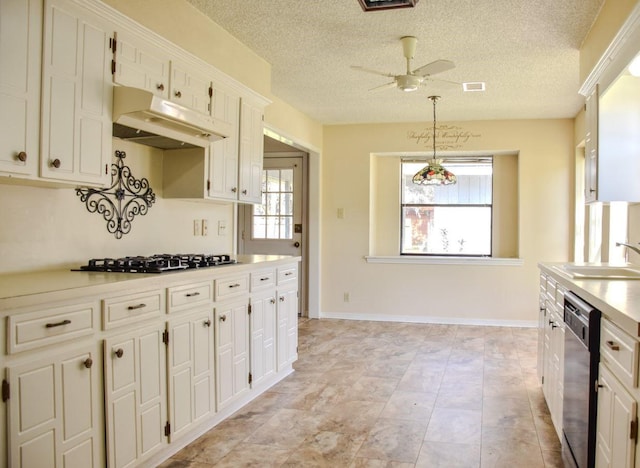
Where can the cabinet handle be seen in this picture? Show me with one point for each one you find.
(223, 318)
(612, 346)
(178, 94)
(273, 301)
(550, 322)
(160, 87)
(22, 156)
(592, 190)
(264, 279)
(58, 324)
(234, 189)
(244, 192)
(139, 306)
(554, 326)
(288, 273)
(193, 294)
(235, 285)
(119, 352)
(88, 363)
(55, 163)
(207, 323)
(281, 298)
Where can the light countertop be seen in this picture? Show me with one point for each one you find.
(617, 299)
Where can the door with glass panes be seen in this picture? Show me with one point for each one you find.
(276, 226)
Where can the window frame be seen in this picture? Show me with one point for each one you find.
(450, 159)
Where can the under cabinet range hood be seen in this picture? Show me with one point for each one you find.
(142, 117)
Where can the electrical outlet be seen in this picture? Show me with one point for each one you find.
(197, 227)
(222, 228)
(205, 227)
(347, 297)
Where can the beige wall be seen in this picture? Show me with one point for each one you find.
(468, 293)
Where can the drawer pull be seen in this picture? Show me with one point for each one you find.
(288, 273)
(193, 294)
(88, 363)
(58, 324)
(139, 306)
(264, 279)
(612, 346)
(223, 318)
(235, 285)
(119, 352)
(207, 323)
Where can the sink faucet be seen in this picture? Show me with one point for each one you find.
(629, 246)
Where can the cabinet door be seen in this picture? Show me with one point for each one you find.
(263, 339)
(191, 371)
(251, 152)
(140, 65)
(615, 439)
(55, 411)
(20, 53)
(76, 96)
(135, 395)
(223, 154)
(232, 351)
(591, 147)
(189, 88)
(291, 303)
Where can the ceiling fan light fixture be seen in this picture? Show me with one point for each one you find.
(374, 5)
(408, 83)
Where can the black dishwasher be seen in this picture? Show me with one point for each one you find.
(581, 356)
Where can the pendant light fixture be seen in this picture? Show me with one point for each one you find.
(434, 173)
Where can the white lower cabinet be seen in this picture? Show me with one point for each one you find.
(287, 334)
(263, 336)
(616, 430)
(54, 410)
(135, 395)
(232, 351)
(190, 371)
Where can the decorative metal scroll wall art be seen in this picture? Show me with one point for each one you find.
(127, 198)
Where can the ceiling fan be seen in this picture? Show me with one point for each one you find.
(413, 78)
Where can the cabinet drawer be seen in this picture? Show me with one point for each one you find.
(620, 352)
(119, 311)
(44, 327)
(551, 288)
(560, 291)
(231, 287)
(287, 274)
(263, 279)
(181, 297)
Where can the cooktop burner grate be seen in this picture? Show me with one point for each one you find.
(158, 263)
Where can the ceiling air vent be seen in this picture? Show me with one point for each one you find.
(373, 5)
(473, 86)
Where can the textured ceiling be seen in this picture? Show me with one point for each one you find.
(526, 51)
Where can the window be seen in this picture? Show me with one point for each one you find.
(274, 218)
(453, 220)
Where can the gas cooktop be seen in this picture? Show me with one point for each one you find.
(159, 263)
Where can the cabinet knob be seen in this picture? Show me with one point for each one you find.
(55, 163)
(223, 318)
(281, 298)
(273, 301)
(88, 363)
(22, 156)
(234, 189)
(119, 352)
(178, 94)
(207, 323)
(244, 192)
(160, 87)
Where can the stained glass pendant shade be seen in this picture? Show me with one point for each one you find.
(434, 173)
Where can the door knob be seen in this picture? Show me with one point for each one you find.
(296, 244)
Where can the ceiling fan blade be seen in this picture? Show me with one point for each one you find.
(369, 70)
(432, 68)
(384, 86)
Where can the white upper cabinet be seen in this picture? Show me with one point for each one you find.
(190, 88)
(251, 152)
(20, 54)
(76, 95)
(223, 154)
(591, 147)
(140, 65)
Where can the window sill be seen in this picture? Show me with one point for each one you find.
(410, 259)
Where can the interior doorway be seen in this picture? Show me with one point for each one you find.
(279, 226)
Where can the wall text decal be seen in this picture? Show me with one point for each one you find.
(448, 137)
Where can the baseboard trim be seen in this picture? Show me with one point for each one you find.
(430, 319)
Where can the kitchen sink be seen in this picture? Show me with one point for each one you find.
(599, 272)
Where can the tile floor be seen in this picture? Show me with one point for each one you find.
(377, 394)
